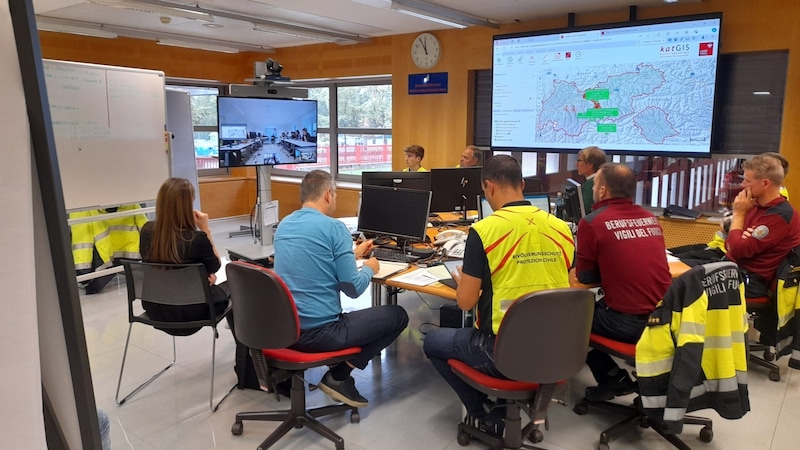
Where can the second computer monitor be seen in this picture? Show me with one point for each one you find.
(398, 213)
(456, 188)
(541, 201)
(405, 180)
(573, 201)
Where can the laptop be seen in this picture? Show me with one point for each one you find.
(540, 200)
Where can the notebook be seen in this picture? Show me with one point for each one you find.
(387, 269)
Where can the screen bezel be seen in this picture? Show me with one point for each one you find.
(613, 26)
(407, 180)
(405, 210)
(308, 149)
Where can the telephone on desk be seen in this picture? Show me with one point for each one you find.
(453, 243)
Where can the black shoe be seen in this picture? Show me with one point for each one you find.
(610, 387)
(493, 424)
(342, 391)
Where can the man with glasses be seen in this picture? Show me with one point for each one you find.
(589, 161)
(314, 256)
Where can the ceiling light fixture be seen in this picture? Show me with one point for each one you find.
(197, 46)
(156, 7)
(270, 29)
(440, 14)
(81, 31)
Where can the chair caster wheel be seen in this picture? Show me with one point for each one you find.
(769, 355)
(463, 439)
(603, 446)
(775, 376)
(706, 434)
(355, 417)
(536, 436)
(580, 409)
(237, 428)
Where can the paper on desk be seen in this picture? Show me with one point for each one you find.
(672, 258)
(387, 268)
(222, 276)
(440, 272)
(416, 278)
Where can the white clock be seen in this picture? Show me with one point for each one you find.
(425, 51)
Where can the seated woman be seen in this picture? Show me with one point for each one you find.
(180, 235)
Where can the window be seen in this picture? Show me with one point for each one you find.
(354, 127)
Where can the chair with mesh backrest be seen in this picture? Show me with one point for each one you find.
(542, 341)
(267, 322)
(176, 285)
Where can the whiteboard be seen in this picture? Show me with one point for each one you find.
(108, 124)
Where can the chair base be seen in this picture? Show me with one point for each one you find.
(634, 414)
(765, 361)
(513, 435)
(297, 417)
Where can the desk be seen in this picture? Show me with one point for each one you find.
(236, 151)
(676, 269)
(293, 144)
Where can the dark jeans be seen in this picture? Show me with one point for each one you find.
(469, 346)
(613, 325)
(372, 329)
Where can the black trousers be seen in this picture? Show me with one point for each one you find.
(613, 325)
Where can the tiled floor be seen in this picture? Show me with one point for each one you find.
(410, 406)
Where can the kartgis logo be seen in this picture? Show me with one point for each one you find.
(706, 49)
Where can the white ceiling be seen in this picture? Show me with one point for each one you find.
(362, 19)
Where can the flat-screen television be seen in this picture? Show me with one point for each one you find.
(266, 131)
(640, 87)
(405, 180)
(454, 189)
(393, 212)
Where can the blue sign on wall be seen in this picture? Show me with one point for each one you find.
(427, 83)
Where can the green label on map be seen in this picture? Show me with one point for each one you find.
(597, 94)
(599, 113)
(606, 128)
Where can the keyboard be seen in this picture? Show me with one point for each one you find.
(395, 255)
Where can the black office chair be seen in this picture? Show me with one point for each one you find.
(542, 341)
(267, 322)
(170, 284)
(533, 185)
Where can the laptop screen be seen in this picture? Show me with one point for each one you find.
(541, 201)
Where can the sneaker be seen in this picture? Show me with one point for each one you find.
(343, 391)
(610, 387)
(493, 424)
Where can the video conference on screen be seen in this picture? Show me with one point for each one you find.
(266, 131)
(644, 87)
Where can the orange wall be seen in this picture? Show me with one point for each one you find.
(439, 122)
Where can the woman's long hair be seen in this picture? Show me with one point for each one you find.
(174, 218)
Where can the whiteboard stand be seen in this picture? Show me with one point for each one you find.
(266, 217)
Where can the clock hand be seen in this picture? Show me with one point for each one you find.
(424, 44)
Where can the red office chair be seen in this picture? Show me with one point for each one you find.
(541, 342)
(633, 414)
(267, 322)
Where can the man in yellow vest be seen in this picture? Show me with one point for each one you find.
(517, 250)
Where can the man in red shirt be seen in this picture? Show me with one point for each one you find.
(620, 247)
(764, 229)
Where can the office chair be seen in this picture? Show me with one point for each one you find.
(267, 322)
(542, 341)
(697, 332)
(756, 307)
(170, 284)
(533, 185)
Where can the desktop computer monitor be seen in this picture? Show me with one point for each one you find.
(541, 201)
(573, 201)
(456, 188)
(405, 180)
(382, 214)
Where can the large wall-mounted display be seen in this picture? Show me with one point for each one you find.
(642, 87)
(266, 131)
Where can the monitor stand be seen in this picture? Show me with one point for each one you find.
(266, 217)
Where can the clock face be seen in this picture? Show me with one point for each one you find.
(425, 51)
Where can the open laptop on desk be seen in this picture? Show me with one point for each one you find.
(539, 200)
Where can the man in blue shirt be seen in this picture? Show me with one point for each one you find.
(315, 258)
